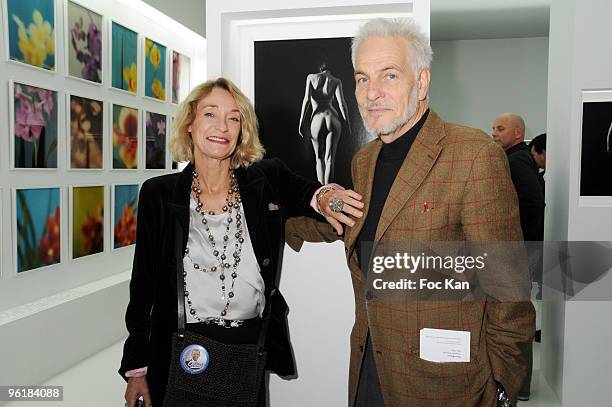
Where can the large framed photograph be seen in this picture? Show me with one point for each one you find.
(84, 42)
(125, 214)
(596, 149)
(87, 220)
(31, 32)
(155, 141)
(86, 124)
(125, 127)
(155, 70)
(124, 58)
(307, 109)
(312, 121)
(181, 76)
(38, 238)
(33, 126)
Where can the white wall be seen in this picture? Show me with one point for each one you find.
(475, 80)
(53, 317)
(577, 364)
(190, 13)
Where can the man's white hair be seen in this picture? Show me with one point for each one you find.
(420, 51)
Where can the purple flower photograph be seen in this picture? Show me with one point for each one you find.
(155, 140)
(34, 127)
(85, 43)
(181, 71)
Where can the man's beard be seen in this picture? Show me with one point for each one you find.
(413, 105)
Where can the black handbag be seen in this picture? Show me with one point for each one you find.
(227, 375)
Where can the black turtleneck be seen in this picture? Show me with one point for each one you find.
(388, 164)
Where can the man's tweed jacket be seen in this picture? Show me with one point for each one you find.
(454, 185)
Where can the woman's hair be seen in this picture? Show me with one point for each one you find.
(248, 149)
(419, 50)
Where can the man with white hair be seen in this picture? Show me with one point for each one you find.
(423, 179)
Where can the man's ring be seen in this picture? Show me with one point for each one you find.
(336, 204)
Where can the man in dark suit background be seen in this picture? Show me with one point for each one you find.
(509, 133)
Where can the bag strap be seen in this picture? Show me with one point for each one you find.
(180, 293)
(267, 315)
(180, 279)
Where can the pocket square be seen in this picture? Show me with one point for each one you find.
(273, 207)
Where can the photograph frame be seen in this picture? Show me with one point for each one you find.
(239, 58)
(139, 68)
(143, 41)
(14, 245)
(144, 142)
(588, 96)
(171, 73)
(68, 147)
(11, 105)
(112, 208)
(104, 48)
(6, 40)
(139, 136)
(71, 208)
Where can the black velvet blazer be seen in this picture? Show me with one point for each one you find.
(270, 194)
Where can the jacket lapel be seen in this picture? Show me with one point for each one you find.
(251, 185)
(178, 204)
(364, 178)
(418, 163)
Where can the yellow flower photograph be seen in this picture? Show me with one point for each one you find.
(155, 70)
(31, 32)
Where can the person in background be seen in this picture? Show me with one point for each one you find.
(509, 133)
(537, 147)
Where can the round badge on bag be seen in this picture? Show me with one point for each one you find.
(194, 359)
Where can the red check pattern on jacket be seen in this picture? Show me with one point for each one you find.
(454, 185)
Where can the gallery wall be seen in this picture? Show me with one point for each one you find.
(475, 80)
(65, 304)
(576, 362)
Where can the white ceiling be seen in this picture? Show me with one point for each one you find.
(450, 19)
(476, 19)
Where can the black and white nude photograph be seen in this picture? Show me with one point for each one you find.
(305, 103)
(596, 160)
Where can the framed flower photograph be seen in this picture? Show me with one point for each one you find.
(181, 75)
(33, 126)
(84, 43)
(86, 121)
(38, 225)
(155, 141)
(125, 214)
(87, 222)
(31, 32)
(155, 70)
(124, 58)
(125, 137)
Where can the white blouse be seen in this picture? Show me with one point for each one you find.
(204, 287)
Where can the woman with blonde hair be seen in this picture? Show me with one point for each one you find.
(205, 317)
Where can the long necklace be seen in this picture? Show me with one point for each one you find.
(232, 203)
